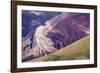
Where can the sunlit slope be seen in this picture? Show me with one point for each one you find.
(77, 50)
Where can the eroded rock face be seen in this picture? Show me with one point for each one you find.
(71, 27)
(58, 32)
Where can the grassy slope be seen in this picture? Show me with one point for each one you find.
(77, 50)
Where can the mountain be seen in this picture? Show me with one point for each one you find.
(71, 27)
(56, 33)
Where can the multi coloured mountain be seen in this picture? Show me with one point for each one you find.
(47, 32)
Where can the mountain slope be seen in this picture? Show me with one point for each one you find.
(68, 28)
(77, 50)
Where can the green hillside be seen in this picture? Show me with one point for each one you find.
(77, 50)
